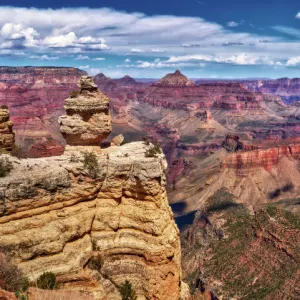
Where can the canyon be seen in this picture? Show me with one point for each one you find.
(236, 140)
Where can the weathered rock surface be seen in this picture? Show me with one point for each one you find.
(88, 121)
(174, 79)
(54, 217)
(7, 136)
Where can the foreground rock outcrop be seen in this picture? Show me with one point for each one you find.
(94, 217)
(7, 136)
(88, 120)
(54, 217)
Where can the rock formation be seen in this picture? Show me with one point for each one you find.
(92, 206)
(174, 79)
(117, 140)
(88, 120)
(7, 136)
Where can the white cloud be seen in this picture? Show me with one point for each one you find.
(127, 60)
(298, 15)
(43, 57)
(99, 58)
(288, 30)
(179, 39)
(232, 24)
(136, 50)
(158, 51)
(82, 57)
(61, 40)
(84, 67)
(293, 61)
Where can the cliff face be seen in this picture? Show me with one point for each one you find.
(55, 218)
(7, 136)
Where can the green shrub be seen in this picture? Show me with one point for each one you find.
(96, 263)
(5, 166)
(47, 281)
(154, 150)
(90, 163)
(127, 291)
(74, 94)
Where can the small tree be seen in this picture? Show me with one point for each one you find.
(5, 166)
(47, 281)
(127, 291)
(90, 163)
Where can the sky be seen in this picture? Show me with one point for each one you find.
(147, 39)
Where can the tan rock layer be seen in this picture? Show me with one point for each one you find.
(7, 137)
(54, 217)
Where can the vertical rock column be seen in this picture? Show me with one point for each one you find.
(88, 121)
(7, 136)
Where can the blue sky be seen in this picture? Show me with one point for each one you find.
(202, 38)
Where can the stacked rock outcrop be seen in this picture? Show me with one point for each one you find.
(88, 121)
(7, 136)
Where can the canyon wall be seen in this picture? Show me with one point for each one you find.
(35, 98)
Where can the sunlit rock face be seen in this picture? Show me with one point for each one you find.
(7, 136)
(55, 217)
(88, 121)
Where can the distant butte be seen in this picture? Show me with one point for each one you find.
(174, 79)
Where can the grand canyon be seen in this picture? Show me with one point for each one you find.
(229, 169)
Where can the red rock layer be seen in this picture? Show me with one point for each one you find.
(266, 158)
(45, 149)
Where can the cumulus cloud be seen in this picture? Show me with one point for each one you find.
(127, 60)
(100, 58)
(294, 61)
(298, 15)
(84, 67)
(82, 32)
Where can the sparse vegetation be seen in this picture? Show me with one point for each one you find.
(73, 158)
(11, 277)
(5, 166)
(47, 281)
(17, 152)
(221, 200)
(74, 94)
(96, 263)
(90, 163)
(126, 291)
(154, 151)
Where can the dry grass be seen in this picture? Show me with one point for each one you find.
(37, 294)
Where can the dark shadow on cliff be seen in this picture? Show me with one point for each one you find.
(185, 220)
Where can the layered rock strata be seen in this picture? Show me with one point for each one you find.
(88, 121)
(54, 217)
(7, 136)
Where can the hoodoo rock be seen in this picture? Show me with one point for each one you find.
(7, 136)
(88, 121)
